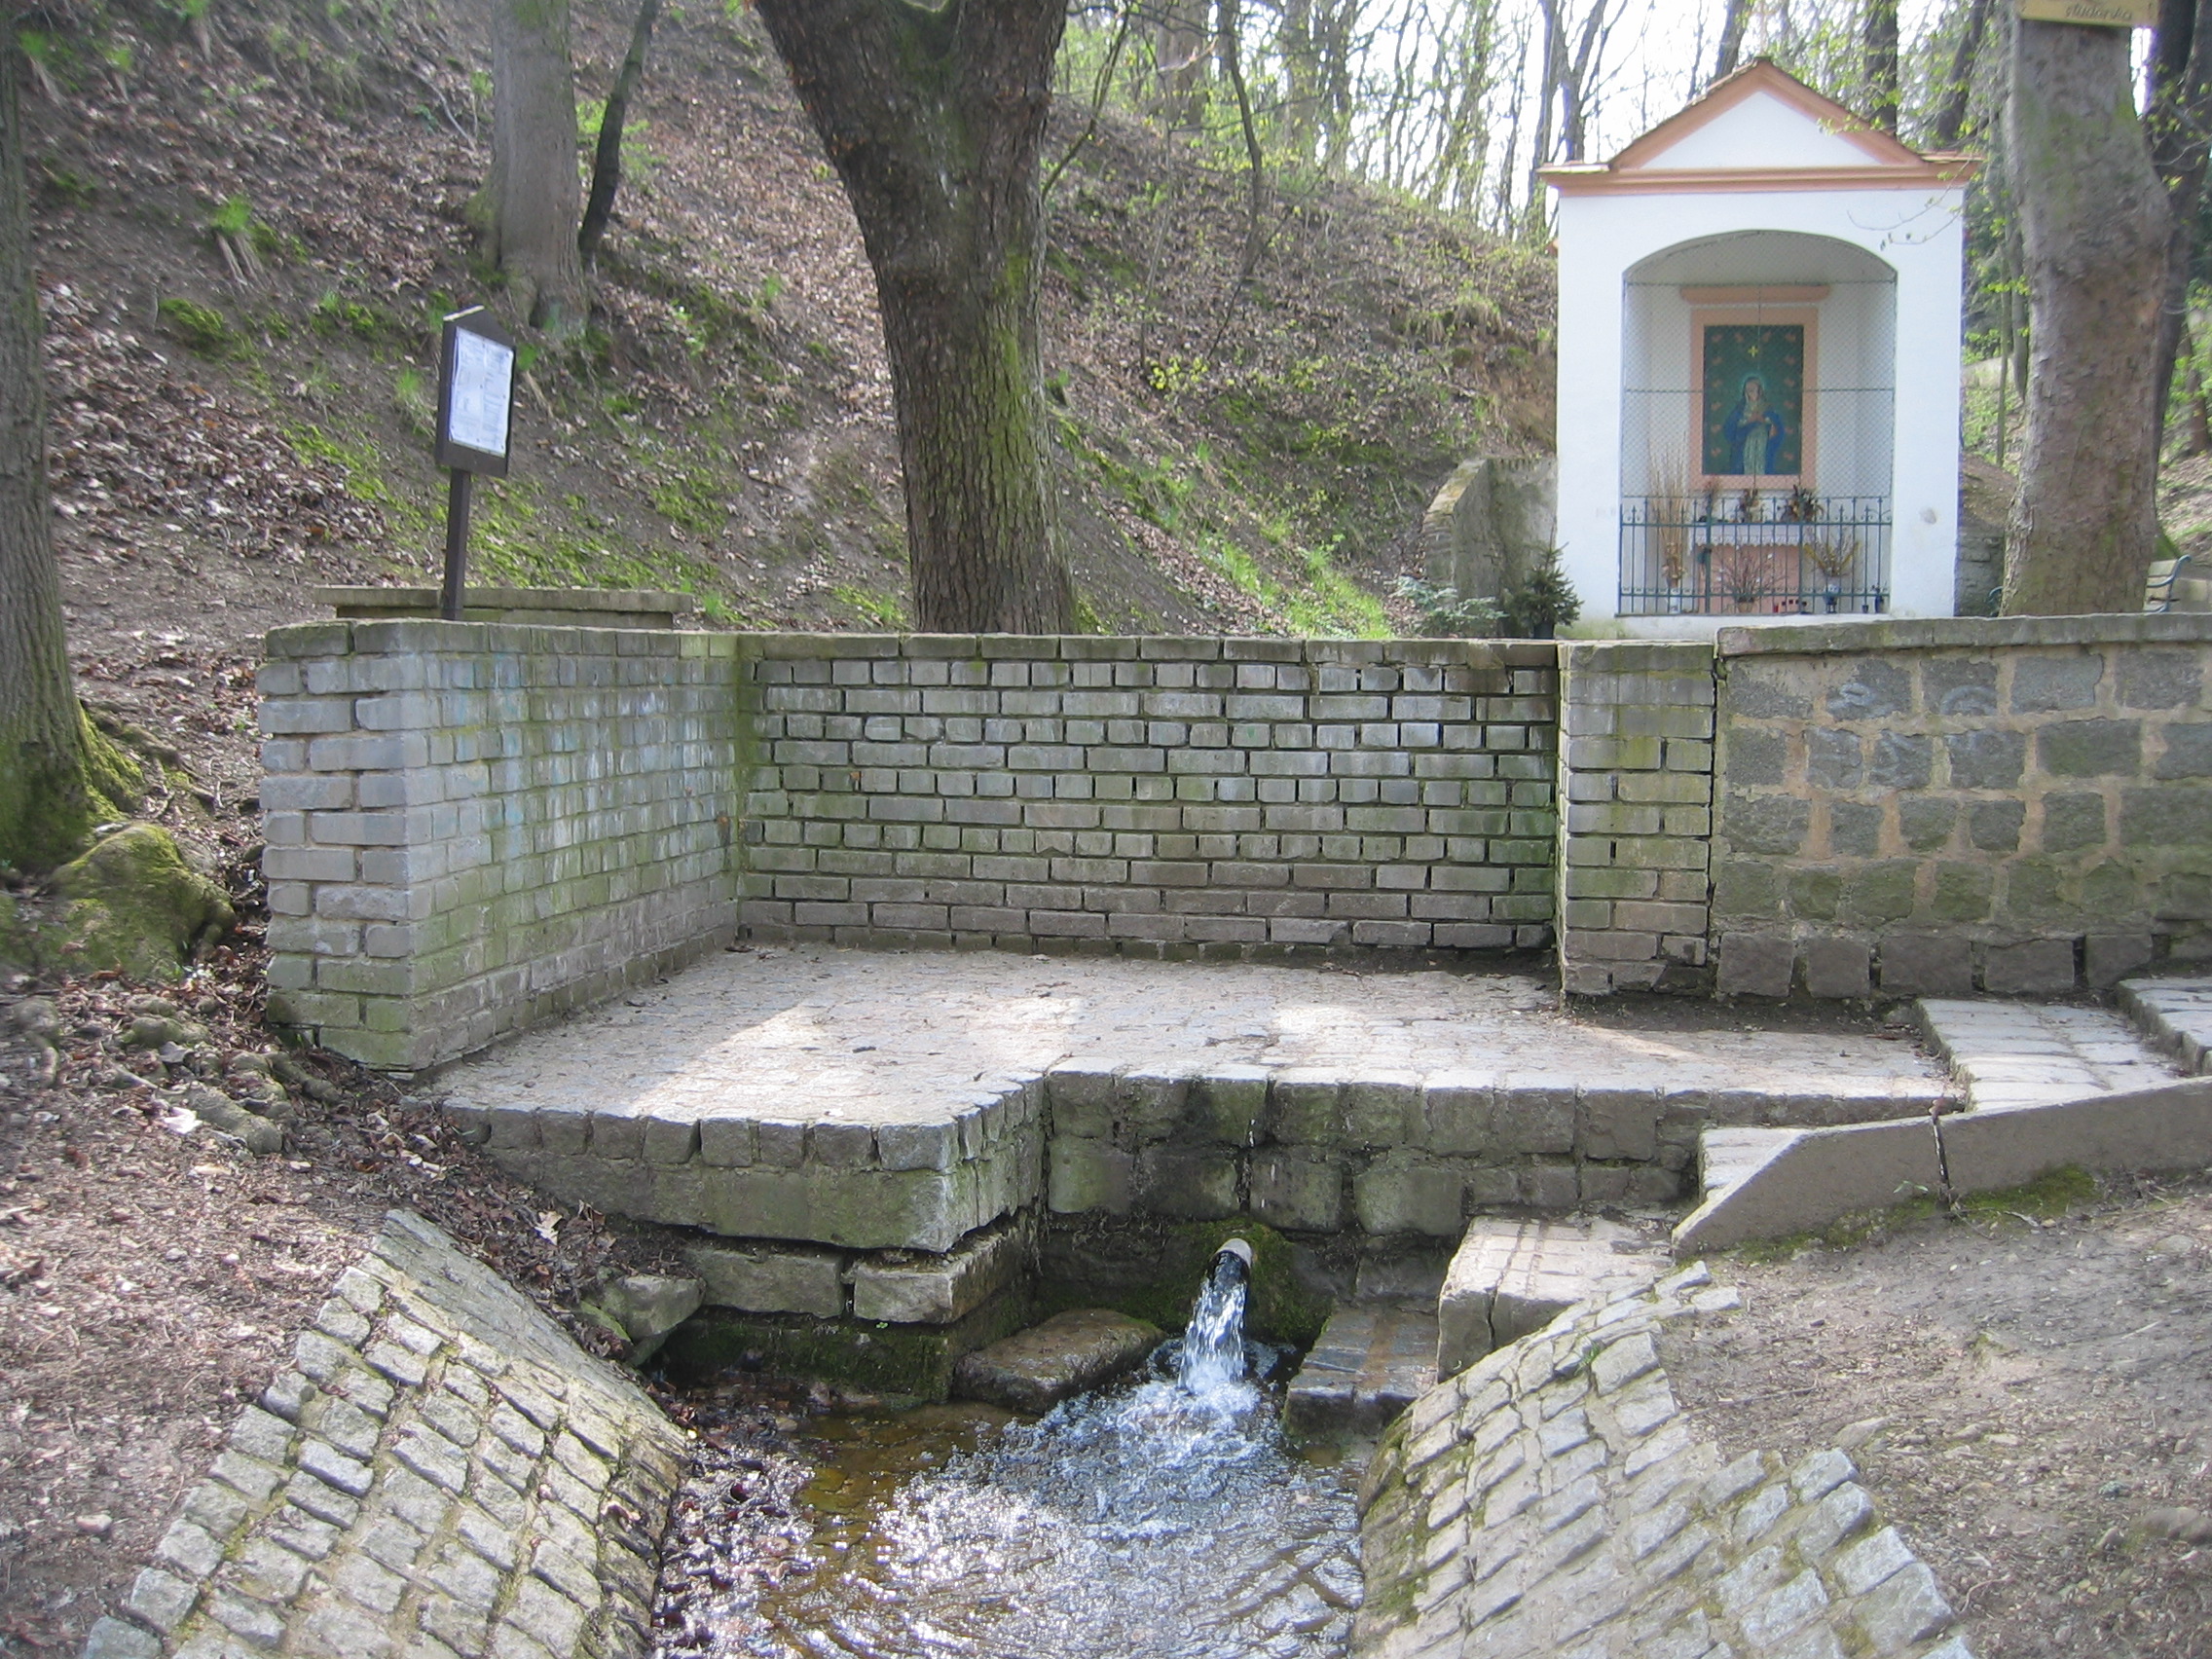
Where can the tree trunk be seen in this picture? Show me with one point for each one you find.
(1880, 35)
(56, 778)
(933, 120)
(2180, 126)
(531, 233)
(1958, 88)
(1732, 24)
(1179, 51)
(2094, 222)
(606, 157)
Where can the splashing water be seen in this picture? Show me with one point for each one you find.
(1212, 1357)
(1161, 1520)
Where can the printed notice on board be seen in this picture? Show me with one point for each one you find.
(483, 389)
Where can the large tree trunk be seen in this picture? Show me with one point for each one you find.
(56, 778)
(933, 120)
(2094, 221)
(606, 156)
(531, 229)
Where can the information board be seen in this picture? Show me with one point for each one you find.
(2107, 14)
(476, 391)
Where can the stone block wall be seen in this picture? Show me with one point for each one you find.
(1636, 774)
(1165, 796)
(2018, 806)
(474, 825)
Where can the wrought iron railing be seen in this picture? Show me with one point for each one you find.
(1779, 553)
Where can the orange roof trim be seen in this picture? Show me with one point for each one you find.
(1889, 162)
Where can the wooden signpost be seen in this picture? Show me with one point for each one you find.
(476, 395)
(2105, 13)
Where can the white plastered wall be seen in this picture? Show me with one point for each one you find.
(1917, 232)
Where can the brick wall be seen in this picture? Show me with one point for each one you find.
(2014, 805)
(1636, 771)
(474, 825)
(1168, 796)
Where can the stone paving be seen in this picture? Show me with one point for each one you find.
(1555, 1500)
(1370, 1363)
(2175, 1015)
(876, 1101)
(2010, 1055)
(442, 1475)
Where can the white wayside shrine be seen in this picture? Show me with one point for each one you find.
(1758, 366)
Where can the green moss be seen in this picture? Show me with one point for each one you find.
(1278, 1308)
(915, 1360)
(134, 905)
(17, 950)
(201, 329)
(882, 608)
(2049, 1196)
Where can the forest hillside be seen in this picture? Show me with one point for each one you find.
(252, 216)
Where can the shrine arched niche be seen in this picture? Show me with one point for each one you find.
(1759, 422)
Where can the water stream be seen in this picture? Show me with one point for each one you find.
(1160, 1519)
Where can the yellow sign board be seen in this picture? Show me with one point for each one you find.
(2110, 13)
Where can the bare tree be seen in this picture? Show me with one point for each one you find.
(2094, 220)
(1732, 24)
(58, 778)
(1879, 31)
(607, 155)
(533, 199)
(934, 119)
(1957, 98)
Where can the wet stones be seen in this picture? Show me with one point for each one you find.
(1046, 1364)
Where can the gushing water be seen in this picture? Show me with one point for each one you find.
(1163, 1520)
(1212, 1357)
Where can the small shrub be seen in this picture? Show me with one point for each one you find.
(1445, 613)
(1544, 602)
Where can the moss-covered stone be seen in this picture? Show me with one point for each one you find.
(1151, 1269)
(132, 904)
(913, 1360)
(16, 945)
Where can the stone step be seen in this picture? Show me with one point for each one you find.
(1728, 1159)
(1512, 1277)
(2010, 1054)
(1372, 1362)
(2175, 1016)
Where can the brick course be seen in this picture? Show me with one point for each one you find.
(1151, 797)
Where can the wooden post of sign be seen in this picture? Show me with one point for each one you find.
(476, 387)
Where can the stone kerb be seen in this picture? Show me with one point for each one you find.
(2018, 806)
(1219, 797)
(442, 1472)
(474, 825)
(913, 1185)
(1554, 1497)
(1325, 1151)
(1635, 782)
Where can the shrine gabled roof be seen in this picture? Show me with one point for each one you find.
(1761, 128)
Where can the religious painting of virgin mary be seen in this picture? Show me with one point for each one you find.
(1753, 423)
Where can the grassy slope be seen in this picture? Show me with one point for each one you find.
(1244, 456)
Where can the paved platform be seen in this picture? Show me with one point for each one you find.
(2010, 1055)
(875, 1100)
(1370, 1363)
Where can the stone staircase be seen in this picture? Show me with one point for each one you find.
(2007, 1057)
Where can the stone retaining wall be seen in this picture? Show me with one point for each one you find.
(1554, 1499)
(442, 1473)
(2020, 806)
(473, 827)
(1179, 796)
